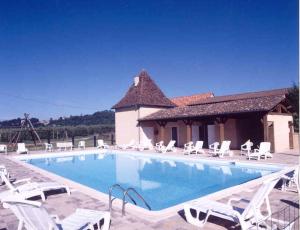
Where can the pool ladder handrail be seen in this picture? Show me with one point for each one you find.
(125, 193)
(138, 195)
(110, 195)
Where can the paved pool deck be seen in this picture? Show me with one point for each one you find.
(63, 205)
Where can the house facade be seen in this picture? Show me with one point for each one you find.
(146, 113)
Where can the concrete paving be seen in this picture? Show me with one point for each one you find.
(63, 205)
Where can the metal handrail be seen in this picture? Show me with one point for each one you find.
(139, 196)
(110, 194)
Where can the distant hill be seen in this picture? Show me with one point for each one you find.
(106, 117)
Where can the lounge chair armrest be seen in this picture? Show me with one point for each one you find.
(25, 180)
(248, 190)
(233, 199)
(256, 150)
(285, 177)
(55, 218)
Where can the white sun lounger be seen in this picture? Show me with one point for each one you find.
(246, 148)
(48, 147)
(3, 149)
(22, 148)
(127, 146)
(291, 178)
(223, 150)
(262, 152)
(198, 148)
(64, 145)
(158, 145)
(146, 144)
(169, 148)
(32, 215)
(246, 217)
(213, 147)
(4, 171)
(187, 148)
(30, 189)
(101, 144)
(81, 144)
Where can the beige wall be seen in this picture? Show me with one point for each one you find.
(213, 133)
(296, 140)
(236, 130)
(281, 131)
(232, 133)
(145, 111)
(126, 123)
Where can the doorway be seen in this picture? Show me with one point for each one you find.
(174, 135)
(203, 135)
(271, 135)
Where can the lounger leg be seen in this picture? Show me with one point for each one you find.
(43, 196)
(68, 190)
(106, 222)
(195, 220)
(20, 225)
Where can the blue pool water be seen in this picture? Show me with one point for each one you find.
(162, 182)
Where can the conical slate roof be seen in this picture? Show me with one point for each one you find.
(144, 93)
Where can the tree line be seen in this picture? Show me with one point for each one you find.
(100, 123)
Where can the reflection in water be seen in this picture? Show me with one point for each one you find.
(65, 159)
(48, 161)
(226, 170)
(81, 157)
(162, 182)
(169, 162)
(198, 165)
(143, 162)
(130, 157)
(264, 172)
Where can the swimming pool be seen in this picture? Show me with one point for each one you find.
(162, 181)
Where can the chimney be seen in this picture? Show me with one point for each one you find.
(136, 81)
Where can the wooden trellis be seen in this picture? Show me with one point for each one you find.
(26, 126)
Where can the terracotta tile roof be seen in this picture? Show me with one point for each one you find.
(246, 105)
(186, 100)
(241, 96)
(146, 93)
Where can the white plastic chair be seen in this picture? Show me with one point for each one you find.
(158, 145)
(291, 178)
(198, 148)
(101, 144)
(48, 147)
(3, 149)
(146, 144)
(169, 148)
(32, 215)
(262, 152)
(223, 150)
(246, 148)
(127, 146)
(187, 148)
(245, 217)
(81, 144)
(213, 147)
(30, 189)
(22, 148)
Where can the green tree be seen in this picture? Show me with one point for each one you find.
(293, 97)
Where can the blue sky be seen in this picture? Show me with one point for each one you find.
(61, 58)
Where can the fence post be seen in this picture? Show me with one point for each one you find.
(112, 139)
(95, 140)
(73, 141)
(49, 136)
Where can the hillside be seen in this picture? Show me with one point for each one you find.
(106, 117)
